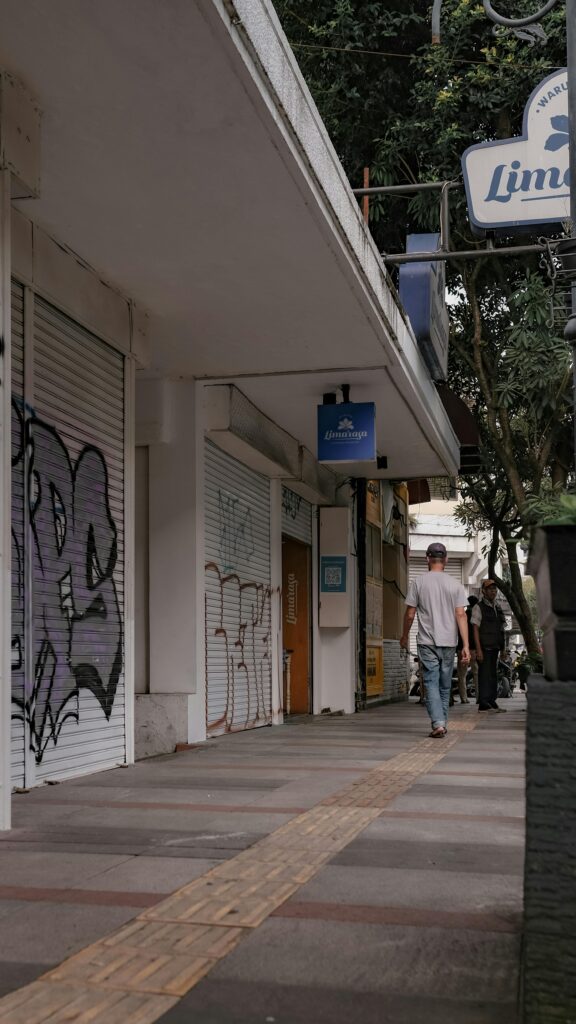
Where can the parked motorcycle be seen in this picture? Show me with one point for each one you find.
(506, 680)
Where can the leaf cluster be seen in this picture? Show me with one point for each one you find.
(408, 110)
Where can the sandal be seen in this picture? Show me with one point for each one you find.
(438, 733)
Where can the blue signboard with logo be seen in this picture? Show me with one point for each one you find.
(347, 432)
(333, 574)
(422, 288)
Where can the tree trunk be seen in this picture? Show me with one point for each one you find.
(514, 593)
(494, 551)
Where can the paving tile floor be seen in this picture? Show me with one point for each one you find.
(396, 896)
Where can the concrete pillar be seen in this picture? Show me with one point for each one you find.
(549, 974)
(5, 502)
(335, 663)
(173, 711)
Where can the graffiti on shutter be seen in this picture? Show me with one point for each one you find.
(238, 595)
(242, 628)
(75, 551)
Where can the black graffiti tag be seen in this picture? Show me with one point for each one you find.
(77, 621)
(238, 617)
(236, 532)
(17, 542)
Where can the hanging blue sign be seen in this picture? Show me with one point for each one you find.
(422, 288)
(515, 183)
(347, 432)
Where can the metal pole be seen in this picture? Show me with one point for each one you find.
(445, 218)
(385, 190)
(464, 254)
(570, 330)
(436, 9)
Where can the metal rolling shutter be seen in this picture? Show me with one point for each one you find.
(18, 744)
(77, 521)
(296, 516)
(418, 565)
(237, 595)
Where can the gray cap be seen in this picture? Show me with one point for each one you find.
(436, 549)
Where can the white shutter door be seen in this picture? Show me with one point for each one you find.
(237, 595)
(296, 516)
(77, 526)
(418, 566)
(18, 575)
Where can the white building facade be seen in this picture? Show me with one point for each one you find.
(184, 275)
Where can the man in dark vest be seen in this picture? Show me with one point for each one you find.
(488, 624)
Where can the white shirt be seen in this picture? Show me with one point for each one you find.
(436, 596)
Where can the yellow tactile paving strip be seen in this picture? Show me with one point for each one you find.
(138, 973)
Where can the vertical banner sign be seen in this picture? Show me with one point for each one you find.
(515, 183)
(347, 432)
(422, 288)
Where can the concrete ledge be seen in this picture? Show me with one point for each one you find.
(160, 723)
(550, 867)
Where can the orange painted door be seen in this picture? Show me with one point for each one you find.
(296, 625)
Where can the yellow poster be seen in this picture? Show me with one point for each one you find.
(374, 680)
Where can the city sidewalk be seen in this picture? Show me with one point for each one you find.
(329, 870)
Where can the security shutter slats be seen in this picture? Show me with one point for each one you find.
(80, 398)
(62, 356)
(78, 606)
(101, 519)
(63, 332)
(68, 418)
(51, 564)
(18, 618)
(237, 594)
(418, 566)
(91, 752)
(61, 363)
(100, 427)
(296, 516)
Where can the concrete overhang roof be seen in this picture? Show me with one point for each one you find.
(184, 159)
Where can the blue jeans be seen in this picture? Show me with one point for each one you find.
(437, 667)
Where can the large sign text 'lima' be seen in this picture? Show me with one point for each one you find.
(514, 183)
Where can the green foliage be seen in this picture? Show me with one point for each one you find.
(527, 378)
(553, 508)
(534, 364)
(408, 109)
(357, 86)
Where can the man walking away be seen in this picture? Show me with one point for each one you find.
(441, 603)
(489, 624)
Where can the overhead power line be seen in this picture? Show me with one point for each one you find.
(417, 56)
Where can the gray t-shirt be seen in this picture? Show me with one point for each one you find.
(436, 595)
